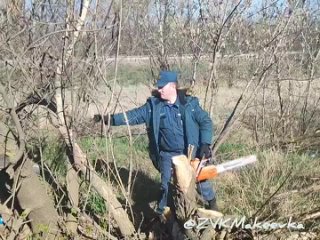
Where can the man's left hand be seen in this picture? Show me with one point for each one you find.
(205, 151)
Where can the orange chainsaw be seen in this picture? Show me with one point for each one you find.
(204, 171)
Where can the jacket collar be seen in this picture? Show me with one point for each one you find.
(182, 96)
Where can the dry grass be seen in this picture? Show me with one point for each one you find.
(278, 187)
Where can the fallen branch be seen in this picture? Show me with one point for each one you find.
(79, 160)
(73, 194)
(308, 190)
(32, 196)
(104, 190)
(312, 216)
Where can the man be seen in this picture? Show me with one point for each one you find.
(174, 121)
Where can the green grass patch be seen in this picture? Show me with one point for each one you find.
(96, 204)
(120, 148)
(54, 155)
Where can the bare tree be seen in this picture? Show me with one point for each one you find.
(61, 60)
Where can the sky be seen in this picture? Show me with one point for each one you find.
(255, 7)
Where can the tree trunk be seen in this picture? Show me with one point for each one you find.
(184, 192)
(78, 157)
(73, 194)
(32, 196)
(185, 196)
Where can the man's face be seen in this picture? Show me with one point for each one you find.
(168, 91)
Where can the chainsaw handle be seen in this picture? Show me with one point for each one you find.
(198, 166)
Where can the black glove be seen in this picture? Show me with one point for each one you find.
(205, 151)
(98, 118)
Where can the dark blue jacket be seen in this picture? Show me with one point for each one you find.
(198, 127)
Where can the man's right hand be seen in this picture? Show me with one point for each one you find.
(98, 117)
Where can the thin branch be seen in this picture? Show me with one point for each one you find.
(21, 135)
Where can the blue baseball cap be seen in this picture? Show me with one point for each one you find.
(167, 77)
